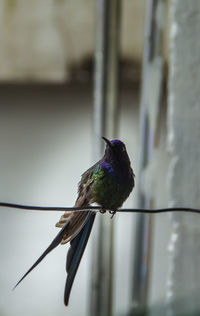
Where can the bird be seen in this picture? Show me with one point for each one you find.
(108, 183)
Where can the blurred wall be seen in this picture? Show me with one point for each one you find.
(45, 136)
(184, 136)
(45, 141)
(41, 40)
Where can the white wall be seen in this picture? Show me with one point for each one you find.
(45, 137)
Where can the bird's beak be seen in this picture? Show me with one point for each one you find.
(107, 142)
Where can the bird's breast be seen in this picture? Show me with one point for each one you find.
(118, 173)
(110, 189)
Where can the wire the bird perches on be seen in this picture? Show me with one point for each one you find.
(99, 208)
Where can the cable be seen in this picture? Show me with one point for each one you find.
(98, 209)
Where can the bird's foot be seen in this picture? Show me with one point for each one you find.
(112, 213)
(103, 211)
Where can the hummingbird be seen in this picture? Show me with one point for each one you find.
(107, 183)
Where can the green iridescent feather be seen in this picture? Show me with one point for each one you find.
(107, 192)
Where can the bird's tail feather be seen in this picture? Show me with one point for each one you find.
(75, 253)
(53, 244)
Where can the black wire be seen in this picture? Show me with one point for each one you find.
(98, 208)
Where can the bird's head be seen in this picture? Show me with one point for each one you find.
(116, 150)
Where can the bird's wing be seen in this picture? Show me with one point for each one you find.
(84, 221)
(76, 222)
(78, 219)
(74, 255)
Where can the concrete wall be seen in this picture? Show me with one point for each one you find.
(184, 136)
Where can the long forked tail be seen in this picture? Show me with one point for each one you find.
(75, 253)
(53, 244)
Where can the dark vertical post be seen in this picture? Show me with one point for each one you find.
(105, 124)
(100, 75)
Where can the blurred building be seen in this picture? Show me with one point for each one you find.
(46, 127)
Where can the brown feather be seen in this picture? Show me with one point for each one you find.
(78, 219)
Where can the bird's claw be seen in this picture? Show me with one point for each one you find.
(112, 213)
(102, 211)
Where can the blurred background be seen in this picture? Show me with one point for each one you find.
(71, 72)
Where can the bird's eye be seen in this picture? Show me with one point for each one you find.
(123, 148)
